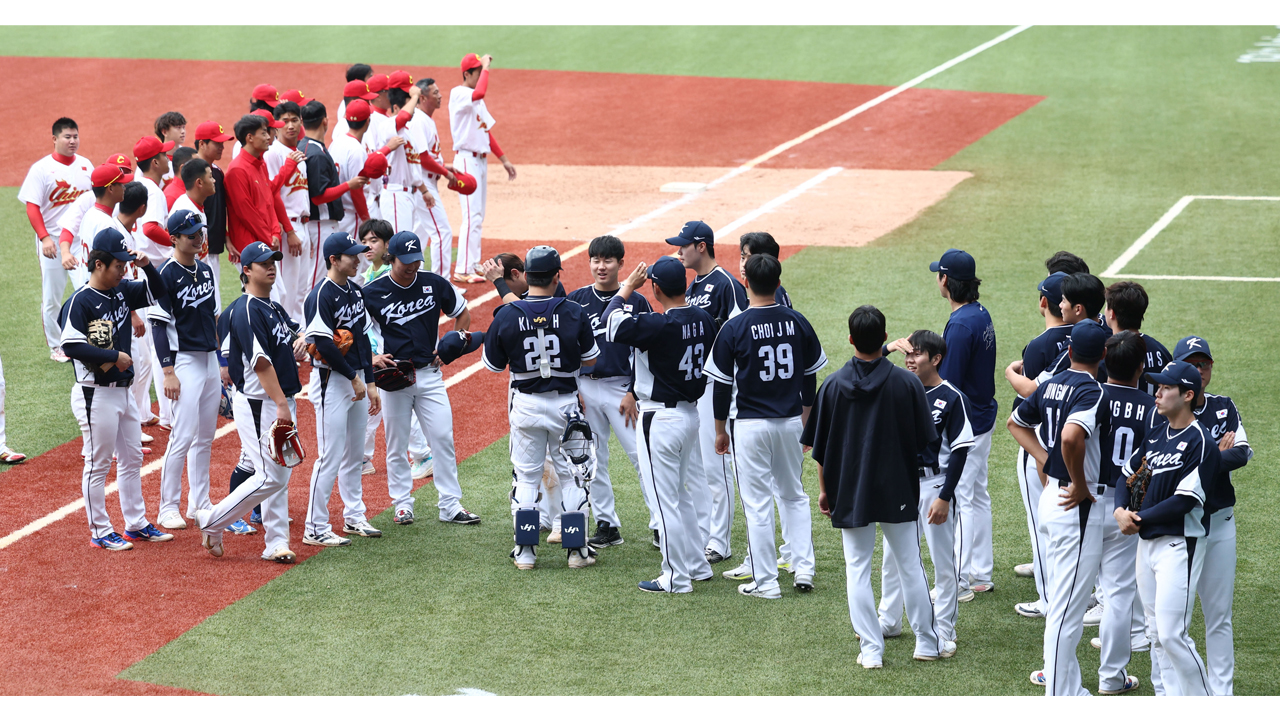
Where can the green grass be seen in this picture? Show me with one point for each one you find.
(1234, 238)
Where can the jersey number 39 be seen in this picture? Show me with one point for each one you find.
(779, 362)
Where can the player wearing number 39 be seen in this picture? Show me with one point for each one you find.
(764, 363)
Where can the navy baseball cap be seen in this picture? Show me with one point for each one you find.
(542, 259)
(668, 273)
(1051, 288)
(184, 222)
(1088, 340)
(956, 264)
(694, 231)
(405, 247)
(1190, 345)
(340, 243)
(110, 240)
(451, 346)
(256, 252)
(1179, 374)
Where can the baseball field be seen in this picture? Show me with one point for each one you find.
(867, 152)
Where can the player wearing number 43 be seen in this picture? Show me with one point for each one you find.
(764, 362)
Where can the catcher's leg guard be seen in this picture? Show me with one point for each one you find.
(527, 527)
(573, 530)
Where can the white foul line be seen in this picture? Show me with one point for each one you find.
(684, 199)
(779, 201)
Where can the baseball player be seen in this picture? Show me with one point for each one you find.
(669, 349)
(1170, 523)
(74, 253)
(186, 342)
(262, 346)
(7, 455)
(406, 304)
(1218, 415)
(404, 176)
(171, 127)
(764, 362)
(869, 425)
(941, 465)
(254, 209)
(356, 73)
(472, 128)
(341, 408)
(1059, 425)
(349, 157)
(546, 341)
(262, 102)
(51, 186)
(327, 193)
(210, 140)
(96, 333)
(1126, 307)
(761, 243)
(713, 289)
(197, 176)
(432, 222)
(607, 382)
(288, 171)
(381, 138)
(152, 239)
(175, 187)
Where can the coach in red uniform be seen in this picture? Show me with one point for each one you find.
(251, 203)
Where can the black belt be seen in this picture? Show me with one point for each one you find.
(117, 384)
(420, 365)
(1102, 487)
(927, 470)
(602, 377)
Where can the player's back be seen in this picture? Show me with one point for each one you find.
(671, 348)
(1071, 396)
(1157, 357)
(544, 341)
(1131, 413)
(765, 352)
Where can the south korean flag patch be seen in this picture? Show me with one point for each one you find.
(1182, 446)
(1222, 414)
(940, 404)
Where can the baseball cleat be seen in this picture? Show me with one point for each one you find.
(651, 586)
(9, 457)
(1037, 678)
(240, 527)
(146, 438)
(112, 541)
(404, 516)
(1130, 683)
(1028, 609)
(525, 556)
(742, 572)
(947, 648)
(367, 468)
(751, 590)
(153, 421)
(983, 587)
(1093, 618)
(786, 565)
(362, 528)
(554, 535)
(657, 540)
(149, 533)
(804, 583)
(328, 539)
(714, 556)
(255, 517)
(965, 596)
(212, 543)
(891, 633)
(1025, 570)
(606, 536)
(464, 518)
(282, 555)
(422, 468)
(146, 450)
(870, 664)
(172, 521)
(582, 557)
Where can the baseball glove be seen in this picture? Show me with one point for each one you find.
(395, 377)
(281, 444)
(1138, 483)
(100, 336)
(341, 337)
(224, 404)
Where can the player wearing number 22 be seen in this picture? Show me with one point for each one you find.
(764, 363)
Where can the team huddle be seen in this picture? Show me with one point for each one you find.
(345, 261)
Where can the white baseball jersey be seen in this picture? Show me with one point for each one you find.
(348, 156)
(72, 217)
(469, 121)
(297, 199)
(54, 187)
(381, 130)
(403, 162)
(94, 222)
(340, 126)
(157, 212)
(184, 202)
(428, 138)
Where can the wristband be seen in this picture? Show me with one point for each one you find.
(501, 285)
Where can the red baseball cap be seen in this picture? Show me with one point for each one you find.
(378, 83)
(109, 174)
(149, 147)
(271, 119)
(470, 61)
(267, 94)
(120, 160)
(294, 96)
(359, 89)
(400, 80)
(358, 111)
(212, 131)
(375, 166)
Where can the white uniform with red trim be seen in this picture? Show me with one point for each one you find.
(380, 131)
(296, 271)
(470, 123)
(348, 156)
(432, 222)
(54, 187)
(396, 199)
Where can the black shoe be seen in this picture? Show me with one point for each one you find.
(463, 518)
(714, 557)
(605, 536)
(656, 541)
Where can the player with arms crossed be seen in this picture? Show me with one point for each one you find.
(764, 362)
(546, 340)
(669, 348)
(406, 304)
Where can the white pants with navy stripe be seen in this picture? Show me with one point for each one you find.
(667, 446)
(766, 460)
(473, 207)
(719, 500)
(53, 284)
(340, 421)
(298, 272)
(859, 547)
(1169, 567)
(1073, 555)
(941, 540)
(109, 425)
(602, 399)
(1029, 484)
(418, 448)
(1217, 591)
(432, 227)
(1119, 583)
(269, 484)
(427, 401)
(974, 543)
(195, 420)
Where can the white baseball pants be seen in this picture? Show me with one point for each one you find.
(1119, 591)
(4, 441)
(215, 265)
(1216, 589)
(340, 421)
(418, 448)
(602, 399)
(859, 547)
(144, 357)
(718, 471)
(195, 419)
(109, 425)
(1169, 567)
(397, 209)
(269, 484)
(473, 206)
(298, 273)
(666, 445)
(766, 459)
(941, 541)
(432, 224)
(1073, 555)
(537, 422)
(973, 545)
(53, 283)
(428, 401)
(371, 203)
(1029, 484)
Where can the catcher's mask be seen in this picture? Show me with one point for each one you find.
(578, 446)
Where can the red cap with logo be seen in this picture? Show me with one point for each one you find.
(271, 119)
(358, 89)
(108, 175)
(149, 147)
(358, 111)
(267, 94)
(120, 160)
(470, 61)
(375, 166)
(378, 83)
(294, 96)
(212, 131)
(400, 80)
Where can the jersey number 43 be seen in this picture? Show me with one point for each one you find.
(691, 363)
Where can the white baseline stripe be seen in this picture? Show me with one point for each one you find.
(684, 199)
(1147, 236)
(1224, 278)
(779, 201)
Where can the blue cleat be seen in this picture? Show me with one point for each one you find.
(256, 518)
(240, 527)
(149, 533)
(111, 542)
(651, 586)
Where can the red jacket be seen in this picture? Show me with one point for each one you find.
(254, 209)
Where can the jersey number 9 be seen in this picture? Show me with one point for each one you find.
(777, 362)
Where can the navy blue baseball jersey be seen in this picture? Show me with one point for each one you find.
(719, 293)
(614, 360)
(1063, 362)
(544, 340)
(1072, 396)
(1042, 351)
(1220, 416)
(1182, 462)
(260, 328)
(781, 297)
(409, 317)
(970, 362)
(951, 420)
(329, 307)
(765, 352)
(96, 327)
(558, 293)
(1131, 413)
(1157, 357)
(187, 307)
(669, 350)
